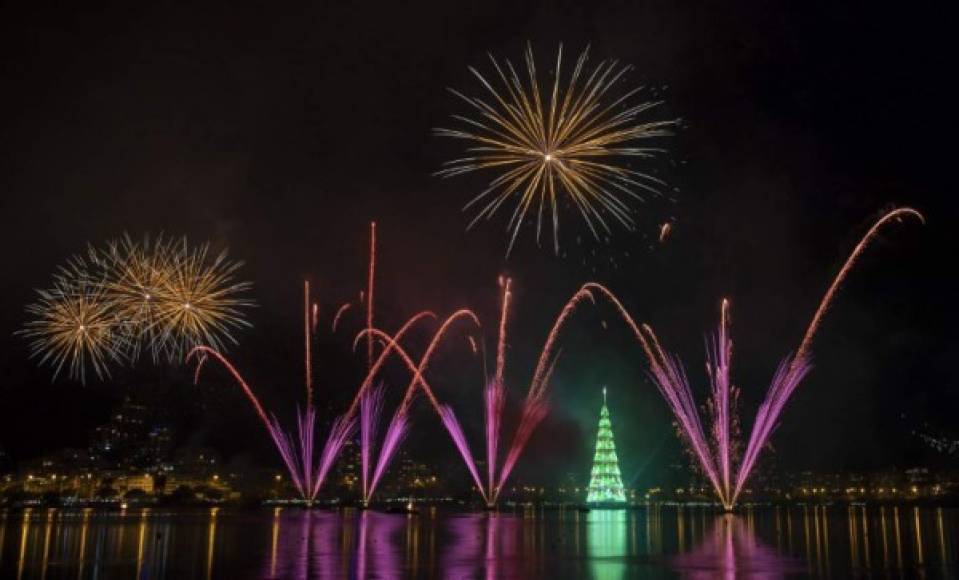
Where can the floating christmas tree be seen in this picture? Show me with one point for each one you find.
(605, 483)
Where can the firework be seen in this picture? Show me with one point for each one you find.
(75, 326)
(133, 275)
(494, 396)
(670, 377)
(199, 302)
(577, 143)
(129, 296)
(664, 231)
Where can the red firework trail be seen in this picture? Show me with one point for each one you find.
(844, 271)
(369, 295)
(538, 385)
(495, 395)
(339, 313)
(391, 344)
(417, 370)
(306, 344)
(501, 342)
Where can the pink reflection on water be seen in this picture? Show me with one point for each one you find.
(731, 550)
(482, 546)
(321, 544)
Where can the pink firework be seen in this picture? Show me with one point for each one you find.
(715, 459)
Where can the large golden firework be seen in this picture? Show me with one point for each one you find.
(159, 295)
(134, 274)
(75, 325)
(577, 140)
(198, 303)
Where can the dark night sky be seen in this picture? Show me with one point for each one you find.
(281, 133)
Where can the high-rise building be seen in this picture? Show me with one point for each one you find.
(605, 481)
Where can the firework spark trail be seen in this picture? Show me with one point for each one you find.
(534, 411)
(306, 427)
(494, 397)
(495, 393)
(664, 231)
(369, 295)
(719, 354)
(538, 384)
(847, 266)
(501, 341)
(671, 379)
(392, 344)
(418, 370)
(399, 424)
(340, 431)
(535, 407)
(395, 433)
(210, 352)
(371, 406)
(288, 454)
(306, 343)
(199, 367)
(578, 144)
(339, 313)
(297, 454)
(787, 378)
(459, 438)
(306, 423)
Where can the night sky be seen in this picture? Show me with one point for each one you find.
(281, 133)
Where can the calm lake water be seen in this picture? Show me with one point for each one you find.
(656, 542)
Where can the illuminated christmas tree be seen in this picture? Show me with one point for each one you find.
(605, 483)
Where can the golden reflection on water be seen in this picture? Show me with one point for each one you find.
(895, 520)
(141, 536)
(526, 543)
(882, 531)
(276, 539)
(942, 537)
(211, 542)
(918, 529)
(865, 538)
(3, 533)
(84, 528)
(24, 527)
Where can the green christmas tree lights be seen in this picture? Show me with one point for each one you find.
(605, 482)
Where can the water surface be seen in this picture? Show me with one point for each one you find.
(655, 542)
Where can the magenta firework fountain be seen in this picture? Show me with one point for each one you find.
(494, 396)
(297, 449)
(714, 454)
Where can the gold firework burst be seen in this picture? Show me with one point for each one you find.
(198, 302)
(134, 275)
(128, 296)
(577, 140)
(75, 326)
